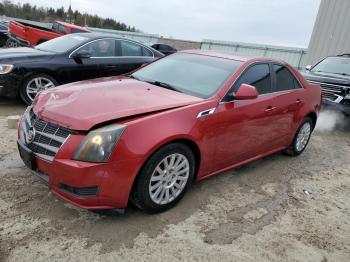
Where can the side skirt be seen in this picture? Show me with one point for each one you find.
(241, 163)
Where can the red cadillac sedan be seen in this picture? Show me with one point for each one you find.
(147, 136)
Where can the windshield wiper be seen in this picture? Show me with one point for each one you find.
(165, 85)
(156, 83)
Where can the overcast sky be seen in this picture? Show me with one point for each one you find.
(277, 22)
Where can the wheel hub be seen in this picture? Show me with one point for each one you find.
(303, 136)
(169, 179)
(37, 85)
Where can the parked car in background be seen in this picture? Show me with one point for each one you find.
(4, 27)
(26, 71)
(164, 49)
(333, 74)
(26, 34)
(149, 135)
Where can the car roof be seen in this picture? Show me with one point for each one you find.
(95, 35)
(231, 56)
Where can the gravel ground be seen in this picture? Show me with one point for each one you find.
(257, 212)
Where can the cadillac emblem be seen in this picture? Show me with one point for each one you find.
(30, 135)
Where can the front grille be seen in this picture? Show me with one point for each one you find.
(332, 92)
(80, 191)
(46, 138)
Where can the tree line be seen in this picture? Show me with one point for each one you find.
(41, 14)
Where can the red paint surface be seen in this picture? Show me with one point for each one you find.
(237, 132)
(35, 35)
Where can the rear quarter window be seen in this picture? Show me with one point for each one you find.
(146, 52)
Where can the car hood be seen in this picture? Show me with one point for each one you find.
(81, 106)
(326, 78)
(23, 54)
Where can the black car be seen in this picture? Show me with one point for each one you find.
(4, 27)
(26, 71)
(333, 74)
(164, 49)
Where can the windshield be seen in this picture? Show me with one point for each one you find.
(197, 75)
(62, 44)
(334, 65)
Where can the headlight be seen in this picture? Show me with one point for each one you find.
(4, 69)
(98, 145)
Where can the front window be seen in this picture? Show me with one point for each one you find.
(258, 76)
(197, 75)
(334, 65)
(100, 48)
(62, 44)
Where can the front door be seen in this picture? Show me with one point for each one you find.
(245, 128)
(102, 61)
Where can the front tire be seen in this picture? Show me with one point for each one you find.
(164, 179)
(301, 138)
(33, 84)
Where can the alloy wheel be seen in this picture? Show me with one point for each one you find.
(36, 85)
(169, 179)
(303, 136)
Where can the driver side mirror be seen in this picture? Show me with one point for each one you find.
(245, 92)
(83, 54)
(308, 67)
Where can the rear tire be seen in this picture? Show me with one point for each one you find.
(301, 138)
(164, 179)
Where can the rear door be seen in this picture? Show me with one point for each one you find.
(245, 128)
(132, 55)
(288, 94)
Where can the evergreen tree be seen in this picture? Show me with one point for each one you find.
(34, 13)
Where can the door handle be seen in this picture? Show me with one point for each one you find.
(298, 101)
(270, 108)
(110, 66)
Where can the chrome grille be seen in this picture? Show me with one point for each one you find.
(331, 92)
(48, 138)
